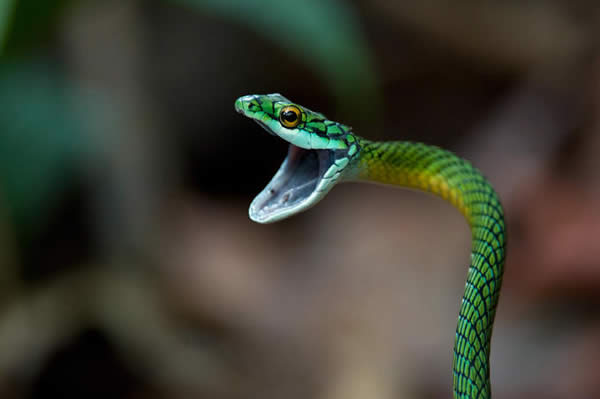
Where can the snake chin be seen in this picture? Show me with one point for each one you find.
(296, 186)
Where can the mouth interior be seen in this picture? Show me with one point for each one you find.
(294, 183)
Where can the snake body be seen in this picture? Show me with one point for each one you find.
(324, 152)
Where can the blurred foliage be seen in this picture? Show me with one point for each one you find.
(322, 34)
(41, 130)
(42, 137)
(26, 23)
(6, 10)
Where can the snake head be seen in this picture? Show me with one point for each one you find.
(319, 155)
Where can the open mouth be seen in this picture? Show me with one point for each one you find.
(293, 185)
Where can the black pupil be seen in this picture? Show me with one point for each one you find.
(289, 116)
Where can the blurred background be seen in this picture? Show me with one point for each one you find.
(129, 267)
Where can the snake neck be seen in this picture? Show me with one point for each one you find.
(442, 173)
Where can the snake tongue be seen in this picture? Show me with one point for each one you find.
(293, 187)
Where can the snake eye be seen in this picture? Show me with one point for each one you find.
(290, 116)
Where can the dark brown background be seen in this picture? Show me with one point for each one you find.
(129, 268)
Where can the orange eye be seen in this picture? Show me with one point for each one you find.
(290, 116)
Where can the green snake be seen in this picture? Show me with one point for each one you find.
(323, 153)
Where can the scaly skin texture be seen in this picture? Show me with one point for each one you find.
(419, 166)
(442, 173)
